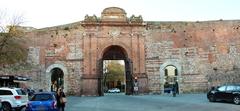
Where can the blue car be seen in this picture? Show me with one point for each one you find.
(43, 101)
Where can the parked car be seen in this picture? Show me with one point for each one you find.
(0, 104)
(167, 90)
(30, 92)
(230, 93)
(42, 101)
(13, 98)
(114, 90)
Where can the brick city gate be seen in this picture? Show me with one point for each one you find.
(113, 37)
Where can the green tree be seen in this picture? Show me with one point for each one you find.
(115, 71)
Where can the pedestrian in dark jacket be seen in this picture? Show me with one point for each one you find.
(60, 103)
(174, 89)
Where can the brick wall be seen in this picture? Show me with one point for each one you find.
(207, 51)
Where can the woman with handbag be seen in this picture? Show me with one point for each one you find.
(61, 99)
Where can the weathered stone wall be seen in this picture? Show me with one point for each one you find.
(74, 77)
(57, 45)
(207, 51)
(208, 54)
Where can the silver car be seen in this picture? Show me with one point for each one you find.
(13, 98)
(114, 90)
(0, 104)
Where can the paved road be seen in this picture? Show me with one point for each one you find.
(120, 102)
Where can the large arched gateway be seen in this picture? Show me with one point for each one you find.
(115, 52)
(114, 38)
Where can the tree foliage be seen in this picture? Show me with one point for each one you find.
(115, 71)
(12, 48)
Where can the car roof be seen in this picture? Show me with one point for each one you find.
(9, 88)
(231, 85)
(45, 93)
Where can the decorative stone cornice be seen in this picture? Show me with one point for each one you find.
(136, 19)
(91, 19)
(113, 16)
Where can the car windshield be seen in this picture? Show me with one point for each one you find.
(21, 92)
(222, 88)
(42, 97)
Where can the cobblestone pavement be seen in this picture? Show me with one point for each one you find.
(121, 102)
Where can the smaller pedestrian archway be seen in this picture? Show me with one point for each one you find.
(170, 75)
(56, 75)
(57, 80)
(170, 78)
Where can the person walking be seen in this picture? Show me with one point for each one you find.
(177, 89)
(61, 99)
(174, 89)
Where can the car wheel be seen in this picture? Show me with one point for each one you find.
(236, 100)
(212, 98)
(6, 106)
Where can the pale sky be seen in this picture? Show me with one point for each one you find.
(47, 13)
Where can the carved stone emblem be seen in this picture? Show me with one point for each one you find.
(114, 32)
